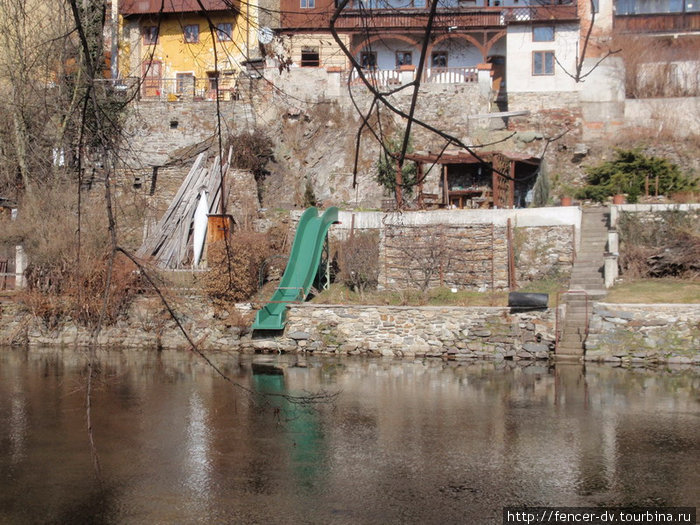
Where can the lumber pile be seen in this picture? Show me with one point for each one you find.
(170, 243)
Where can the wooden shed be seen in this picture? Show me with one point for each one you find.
(494, 179)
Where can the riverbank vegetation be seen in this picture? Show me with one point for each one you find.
(666, 244)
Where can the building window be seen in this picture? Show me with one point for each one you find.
(543, 34)
(439, 59)
(310, 57)
(224, 32)
(150, 35)
(191, 33)
(368, 59)
(543, 63)
(184, 83)
(404, 58)
(307, 4)
(654, 7)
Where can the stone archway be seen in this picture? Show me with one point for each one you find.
(457, 36)
(484, 47)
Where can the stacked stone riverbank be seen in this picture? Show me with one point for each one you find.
(622, 334)
(644, 333)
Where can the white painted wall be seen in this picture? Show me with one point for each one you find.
(499, 48)
(459, 52)
(551, 216)
(519, 59)
(677, 116)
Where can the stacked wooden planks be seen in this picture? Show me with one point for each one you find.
(170, 243)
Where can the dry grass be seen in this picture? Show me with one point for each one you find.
(339, 294)
(656, 291)
(68, 257)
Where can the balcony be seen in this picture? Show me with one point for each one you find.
(169, 89)
(433, 75)
(658, 23)
(459, 18)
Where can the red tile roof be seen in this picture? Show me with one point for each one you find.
(142, 7)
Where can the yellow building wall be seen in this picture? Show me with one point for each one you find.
(176, 55)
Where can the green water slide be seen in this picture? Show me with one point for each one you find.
(301, 268)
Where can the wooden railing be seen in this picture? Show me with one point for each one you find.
(450, 75)
(435, 75)
(665, 23)
(378, 77)
(454, 17)
(171, 89)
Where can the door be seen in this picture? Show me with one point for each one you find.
(498, 66)
(151, 79)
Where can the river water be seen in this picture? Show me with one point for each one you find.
(400, 441)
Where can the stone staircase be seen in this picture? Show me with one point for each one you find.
(586, 275)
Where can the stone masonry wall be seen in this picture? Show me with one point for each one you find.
(405, 331)
(471, 256)
(446, 332)
(154, 129)
(634, 333)
(544, 251)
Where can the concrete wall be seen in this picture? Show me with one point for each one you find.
(555, 216)
(519, 66)
(675, 116)
(649, 209)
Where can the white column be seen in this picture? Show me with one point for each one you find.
(20, 266)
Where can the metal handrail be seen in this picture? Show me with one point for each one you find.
(556, 313)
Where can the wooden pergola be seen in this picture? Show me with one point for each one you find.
(500, 164)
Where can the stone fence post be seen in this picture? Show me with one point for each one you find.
(407, 74)
(483, 77)
(20, 266)
(334, 73)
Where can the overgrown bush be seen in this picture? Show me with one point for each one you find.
(234, 267)
(359, 261)
(666, 246)
(252, 151)
(630, 172)
(58, 293)
(68, 258)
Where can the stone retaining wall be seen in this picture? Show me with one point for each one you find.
(634, 333)
(445, 332)
(620, 333)
(465, 248)
(407, 331)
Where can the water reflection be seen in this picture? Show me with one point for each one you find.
(419, 442)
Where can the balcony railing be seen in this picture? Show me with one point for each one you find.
(450, 75)
(378, 77)
(434, 75)
(184, 89)
(461, 18)
(657, 23)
